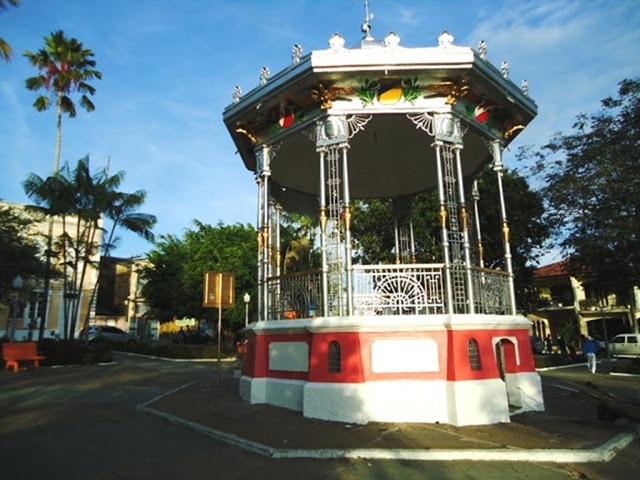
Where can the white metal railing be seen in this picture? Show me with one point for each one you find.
(491, 291)
(295, 295)
(412, 289)
(398, 289)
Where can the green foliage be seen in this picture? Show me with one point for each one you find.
(174, 280)
(373, 229)
(86, 197)
(169, 350)
(591, 179)
(547, 361)
(19, 251)
(74, 352)
(5, 48)
(298, 239)
(65, 67)
(529, 229)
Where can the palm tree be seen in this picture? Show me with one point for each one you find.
(5, 48)
(89, 199)
(65, 67)
(121, 208)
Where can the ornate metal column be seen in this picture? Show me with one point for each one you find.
(263, 173)
(475, 194)
(464, 223)
(496, 150)
(347, 226)
(332, 142)
(442, 213)
(277, 240)
(259, 218)
(448, 133)
(322, 215)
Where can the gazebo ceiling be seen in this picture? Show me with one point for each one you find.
(384, 91)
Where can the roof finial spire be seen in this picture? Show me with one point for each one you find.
(368, 16)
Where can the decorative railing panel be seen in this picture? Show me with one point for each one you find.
(491, 291)
(398, 289)
(296, 295)
(416, 289)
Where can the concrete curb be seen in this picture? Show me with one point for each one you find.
(603, 453)
(178, 360)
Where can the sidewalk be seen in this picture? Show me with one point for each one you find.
(568, 431)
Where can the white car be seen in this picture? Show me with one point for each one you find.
(108, 332)
(625, 344)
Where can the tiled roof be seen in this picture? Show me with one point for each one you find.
(553, 269)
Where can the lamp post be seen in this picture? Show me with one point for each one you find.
(17, 285)
(247, 299)
(606, 338)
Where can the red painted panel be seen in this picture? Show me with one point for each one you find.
(351, 358)
(355, 347)
(257, 359)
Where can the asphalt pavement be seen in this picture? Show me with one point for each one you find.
(152, 418)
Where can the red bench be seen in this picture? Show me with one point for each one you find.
(13, 353)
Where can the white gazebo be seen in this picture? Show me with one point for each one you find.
(406, 342)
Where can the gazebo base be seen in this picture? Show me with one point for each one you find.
(459, 370)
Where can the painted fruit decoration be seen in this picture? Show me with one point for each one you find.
(285, 115)
(483, 110)
(390, 95)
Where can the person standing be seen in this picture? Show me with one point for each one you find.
(548, 344)
(562, 346)
(590, 348)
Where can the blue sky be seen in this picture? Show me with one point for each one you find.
(169, 69)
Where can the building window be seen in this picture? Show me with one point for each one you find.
(474, 355)
(334, 357)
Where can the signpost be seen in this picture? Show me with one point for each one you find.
(219, 292)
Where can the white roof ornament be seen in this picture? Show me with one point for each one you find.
(264, 75)
(366, 26)
(525, 88)
(336, 42)
(296, 54)
(505, 70)
(482, 49)
(445, 40)
(391, 40)
(237, 93)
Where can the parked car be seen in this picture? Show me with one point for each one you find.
(108, 332)
(625, 344)
(194, 337)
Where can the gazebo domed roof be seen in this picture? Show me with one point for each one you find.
(389, 94)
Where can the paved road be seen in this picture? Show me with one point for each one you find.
(82, 423)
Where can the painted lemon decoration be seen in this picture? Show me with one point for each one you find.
(390, 96)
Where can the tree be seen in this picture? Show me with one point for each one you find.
(174, 280)
(20, 253)
(373, 230)
(5, 48)
(591, 180)
(65, 67)
(375, 238)
(298, 238)
(122, 210)
(529, 229)
(87, 198)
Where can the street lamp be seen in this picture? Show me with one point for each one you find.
(17, 285)
(247, 299)
(606, 338)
